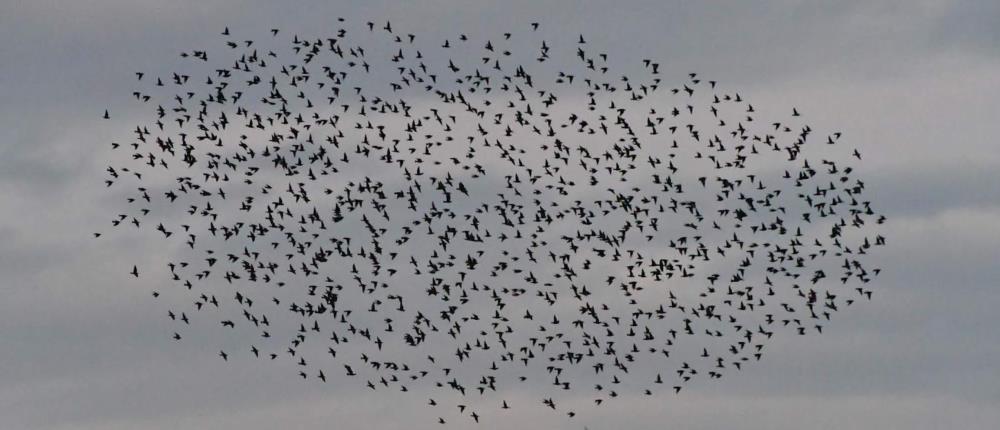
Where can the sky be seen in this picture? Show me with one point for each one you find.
(915, 84)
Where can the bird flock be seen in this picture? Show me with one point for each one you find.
(479, 217)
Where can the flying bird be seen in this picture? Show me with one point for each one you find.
(509, 211)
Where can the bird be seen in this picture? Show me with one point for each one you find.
(487, 213)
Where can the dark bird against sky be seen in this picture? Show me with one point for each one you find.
(453, 218)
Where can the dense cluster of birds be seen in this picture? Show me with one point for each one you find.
(457, 220)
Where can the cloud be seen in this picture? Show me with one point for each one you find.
(911, 83)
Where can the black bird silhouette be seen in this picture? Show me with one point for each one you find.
(456, 219)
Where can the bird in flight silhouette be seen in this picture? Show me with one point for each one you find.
(459, 218)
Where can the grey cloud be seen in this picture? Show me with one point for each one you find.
(911, 83)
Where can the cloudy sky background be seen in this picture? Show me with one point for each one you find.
(915, 84)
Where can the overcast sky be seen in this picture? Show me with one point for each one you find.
(914, 83)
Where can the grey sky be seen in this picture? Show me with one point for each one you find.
(914, 84)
